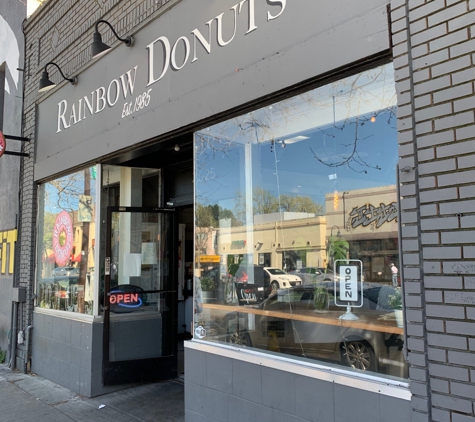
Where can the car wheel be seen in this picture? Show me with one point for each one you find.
(359, 355)
(239, 337)
(275, 285)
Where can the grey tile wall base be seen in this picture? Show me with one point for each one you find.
(69, 353)
(220, 385)
(62, 352)
(371, 383)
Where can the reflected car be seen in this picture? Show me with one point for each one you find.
(64, 271)
(279, 279)
(312, 274)
(304, 321)
(250, 282)
(252, 285)
(63, 276)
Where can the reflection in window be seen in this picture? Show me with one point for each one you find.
(65, 263)
(288, 198)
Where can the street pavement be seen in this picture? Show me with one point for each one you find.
(25, 398)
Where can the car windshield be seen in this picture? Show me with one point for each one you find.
(275, 271)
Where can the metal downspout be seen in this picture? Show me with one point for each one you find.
(27, 357)
(14, 336)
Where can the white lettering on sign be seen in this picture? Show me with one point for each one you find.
(282, 4)
(348, 283)
(162, 55)
(96, 101)
(248, 297)
(143, 100)
(168, 52)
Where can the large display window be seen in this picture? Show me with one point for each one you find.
(66, 243)
(296, 236)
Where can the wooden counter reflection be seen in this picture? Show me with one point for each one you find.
(369, 320)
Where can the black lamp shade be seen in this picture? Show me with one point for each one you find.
(98, 48)
(45, 83)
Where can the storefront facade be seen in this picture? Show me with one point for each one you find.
(246, 172)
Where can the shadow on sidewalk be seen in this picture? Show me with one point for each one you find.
(28, 397)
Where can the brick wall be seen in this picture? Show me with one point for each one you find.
(433, 46)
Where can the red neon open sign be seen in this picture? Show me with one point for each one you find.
(128, 300)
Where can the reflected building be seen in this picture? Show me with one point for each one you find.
(276, 238)
(368, 220)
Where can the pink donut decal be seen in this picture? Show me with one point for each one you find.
(63, 229)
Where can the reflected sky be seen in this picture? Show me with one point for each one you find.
(338, 137)
(63, 193)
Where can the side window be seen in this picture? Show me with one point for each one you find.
(309, 184)
(65, 260)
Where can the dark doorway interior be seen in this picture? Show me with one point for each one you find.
(171, 189)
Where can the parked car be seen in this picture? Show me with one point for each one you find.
(279, 279)
(64, 271)
(64, 276)
(253, 285)
(312, 274)
(295, 323)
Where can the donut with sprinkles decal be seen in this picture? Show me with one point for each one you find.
(62, 238)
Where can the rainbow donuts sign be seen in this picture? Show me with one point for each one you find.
(62, 238)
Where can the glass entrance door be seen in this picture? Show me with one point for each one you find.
(140, 296)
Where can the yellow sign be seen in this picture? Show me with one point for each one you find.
(8, 238)
(335, 200)
(209, 258)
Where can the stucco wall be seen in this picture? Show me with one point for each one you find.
(12, 14)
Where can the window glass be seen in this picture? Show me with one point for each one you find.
(66, 227)
(127, 187)
(296, 227)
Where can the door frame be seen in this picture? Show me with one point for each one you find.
(150, 369)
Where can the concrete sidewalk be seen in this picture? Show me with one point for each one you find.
(27, 398)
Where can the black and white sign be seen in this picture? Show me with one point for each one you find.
(348, 282)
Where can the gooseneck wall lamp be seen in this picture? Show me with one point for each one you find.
(338, 233)
(46, 84)
(98, 48)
